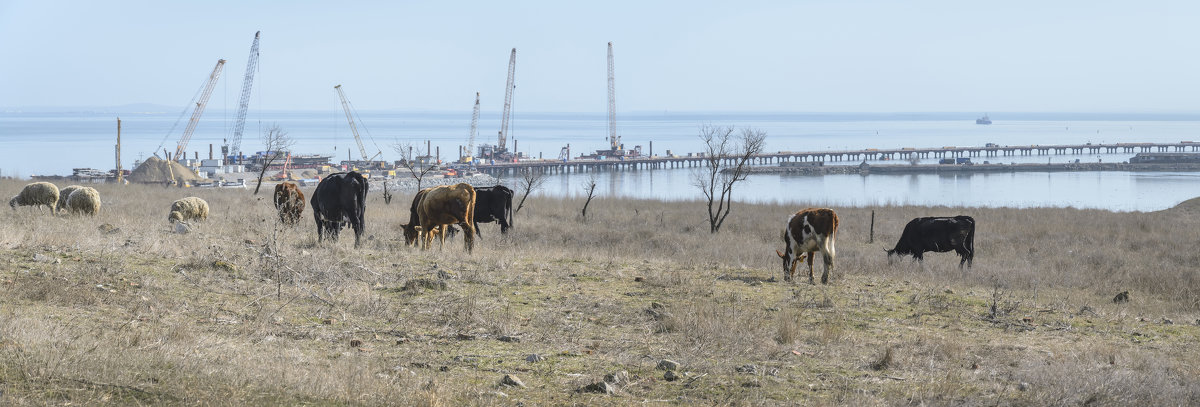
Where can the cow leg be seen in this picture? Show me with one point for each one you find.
(358, 231)
(469, 236)
(810, 268)
(828, 260)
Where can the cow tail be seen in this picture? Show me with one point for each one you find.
(508, 208)
(971, 239)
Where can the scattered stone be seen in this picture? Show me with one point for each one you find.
(617, 379)
(445, 275)
(401, 340)
(749, 369)
(772, 372)
(224, 265)
(41, 258)
(464, 337)
(250, 242)
(304, 253)
(328, 321)
(751, 384)
(182, 228)
(1166, 321)
(444, 369)
(508, 338)
(108, 229)
(513, 381)
(1121, 297)
(598, 387)
(354, 343)
(949, 291)
(465, 359)
(1023, 386)
(534, 358)
(421, 365)
(671, 376)
(415, 285)
(499, 394)
(657, 305)
(639, 279)
(667, 364)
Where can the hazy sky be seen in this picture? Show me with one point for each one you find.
(786, 56)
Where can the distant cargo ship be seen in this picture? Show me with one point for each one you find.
(983, 120)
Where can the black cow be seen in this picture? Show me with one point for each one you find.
(493, 204)
(340, 198)
(938, 234)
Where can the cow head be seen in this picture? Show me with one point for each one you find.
(789, 265)
(411, 231)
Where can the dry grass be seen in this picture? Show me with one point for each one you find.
(245, 311)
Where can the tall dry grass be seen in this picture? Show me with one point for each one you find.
(246, 310)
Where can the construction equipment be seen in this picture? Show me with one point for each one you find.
(181, 145)
(613, 139)
(508, 94)
(474, 125)
(234, 149)
(353, 128)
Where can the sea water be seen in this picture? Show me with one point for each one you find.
(53, 143)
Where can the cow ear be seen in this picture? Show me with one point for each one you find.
(780, 254)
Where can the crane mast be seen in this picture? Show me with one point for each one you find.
(235, 147)
(613, 139)
(181, 148)
(508, 92)
(350, 118)
(474, 125)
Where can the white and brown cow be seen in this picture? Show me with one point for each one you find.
(807, 232)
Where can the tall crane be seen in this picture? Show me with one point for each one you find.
(613, 139)
(508, 93)
(181, 147)
(474, 125)
(235, 147)
(353, 129)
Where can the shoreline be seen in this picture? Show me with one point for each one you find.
(868, 169)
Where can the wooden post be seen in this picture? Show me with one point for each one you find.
(120, 176)
(872, 239)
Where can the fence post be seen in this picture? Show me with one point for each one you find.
(872, 239)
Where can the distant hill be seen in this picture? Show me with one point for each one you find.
(134, 108)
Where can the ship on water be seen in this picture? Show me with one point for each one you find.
(983, 120)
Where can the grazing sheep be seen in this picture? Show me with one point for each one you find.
(63, 194)
(187, 209)
(84, 200)
(36, 194)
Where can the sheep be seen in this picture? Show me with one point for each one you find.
(84, 200)
(36, 194)
(187, 209)
(63, 194)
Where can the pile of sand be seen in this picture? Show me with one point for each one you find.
(155, 170)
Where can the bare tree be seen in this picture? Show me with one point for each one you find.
(409, 162)
(726, 162)
(590, 188)
(530, 181)
(277, 144)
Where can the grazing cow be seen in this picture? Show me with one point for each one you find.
(340, 198)
(493, 204)
(413, 228)
(446, 205)
(938, 234)
(809, 231)
(289, 201)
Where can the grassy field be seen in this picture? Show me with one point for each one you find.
(243, 310)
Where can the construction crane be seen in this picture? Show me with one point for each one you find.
(234, 148)
(508, 94)
(181, 147)
(354, 129)
(474, 125)
(613, 139)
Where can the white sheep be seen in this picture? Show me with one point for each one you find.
(187, 209)
(36, 194)
(84, 200)
(63, 194)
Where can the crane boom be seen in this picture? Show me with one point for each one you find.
(474, 125)
(613, 139)
(350, 118)
(181, 147)
(235, 147)
(508, 92)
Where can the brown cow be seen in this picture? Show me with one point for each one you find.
(289, 201)
(809, 231)
(444, 206)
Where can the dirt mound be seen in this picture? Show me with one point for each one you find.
(1191, 206)
(155, 170)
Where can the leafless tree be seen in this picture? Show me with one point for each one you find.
(277, 144)
(726, 162)
(590, 188)
(530, 181)
(409, 162)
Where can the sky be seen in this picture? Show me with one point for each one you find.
(774, 56)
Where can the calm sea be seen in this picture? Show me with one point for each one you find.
(37, 143)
